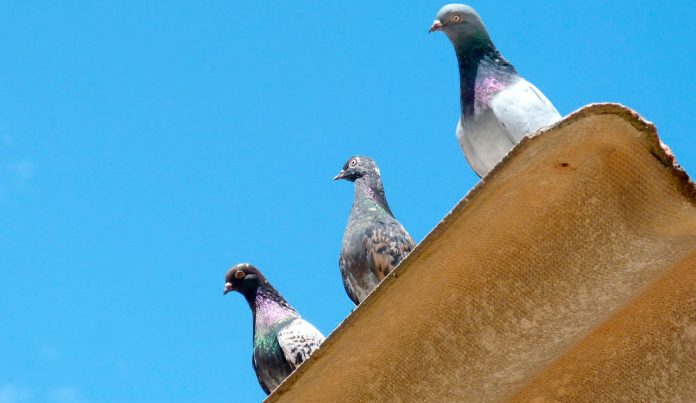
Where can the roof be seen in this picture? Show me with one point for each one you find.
(568, 273)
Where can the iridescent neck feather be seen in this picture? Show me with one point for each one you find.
(483, 71)
(370, 189)
(269, 308)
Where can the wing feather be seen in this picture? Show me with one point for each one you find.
(298, 340)
(386, 244)
(522, 109)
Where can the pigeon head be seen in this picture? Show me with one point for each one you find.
(460, 23)
(359, 167)
(243, 278)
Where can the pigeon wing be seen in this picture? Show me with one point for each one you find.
(298, 340)
(385, 245)
(522, 109)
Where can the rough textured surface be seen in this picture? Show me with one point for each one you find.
(569, 274)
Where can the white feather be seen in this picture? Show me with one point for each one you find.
(298, 340)
(513, 113)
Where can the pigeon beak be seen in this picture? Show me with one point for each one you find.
(340, 175)
(437, 26)
(228, 288)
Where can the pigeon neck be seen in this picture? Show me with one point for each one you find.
(369, 191)
(483, 71)
(268, 307)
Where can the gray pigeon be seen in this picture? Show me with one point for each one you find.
(499, 108)
(374, 242)
(282, 339)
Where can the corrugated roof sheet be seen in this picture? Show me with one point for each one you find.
(567, 274)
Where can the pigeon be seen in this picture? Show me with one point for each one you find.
(282, 339)
(498, 107)
(373, 242)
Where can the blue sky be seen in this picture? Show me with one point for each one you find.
(145, 148)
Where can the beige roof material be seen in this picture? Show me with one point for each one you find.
(567, 274)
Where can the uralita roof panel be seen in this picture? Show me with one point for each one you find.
(567, 274)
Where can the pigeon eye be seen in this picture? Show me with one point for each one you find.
(239, 275)
(456, 18)
(353, 163)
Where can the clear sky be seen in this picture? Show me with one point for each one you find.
(145, 148)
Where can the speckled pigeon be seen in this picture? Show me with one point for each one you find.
(282, 339)
(374, 242)
(499, 108)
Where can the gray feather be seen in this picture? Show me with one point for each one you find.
(374, 242)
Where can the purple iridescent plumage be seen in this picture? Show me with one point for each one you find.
(485, 89)
(282, 339)
(498, 107)
(374, 242)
